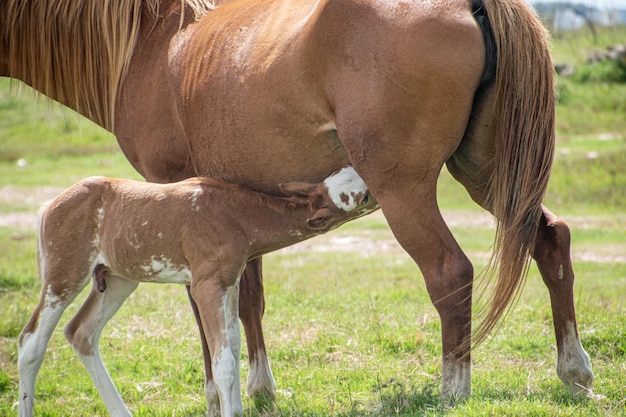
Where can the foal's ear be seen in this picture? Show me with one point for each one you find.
(321, 220)
(300, 192)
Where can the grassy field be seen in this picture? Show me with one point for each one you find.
(350, 329)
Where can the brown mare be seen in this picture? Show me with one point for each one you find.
(260, 92)
(199, 232)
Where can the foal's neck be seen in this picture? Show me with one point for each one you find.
(272, 223)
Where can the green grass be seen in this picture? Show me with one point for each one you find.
(340, 347)
(574, 47)
(589, 108)
(33, 126)
(594, 110)
(349, 332)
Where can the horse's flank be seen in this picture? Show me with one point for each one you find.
(77, 52)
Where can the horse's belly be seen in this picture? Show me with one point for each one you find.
(265, 138)
(266, 161)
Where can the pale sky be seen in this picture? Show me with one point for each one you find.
(600, 4)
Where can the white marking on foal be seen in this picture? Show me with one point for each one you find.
(560, 273)
(162, 269)
(32, 348)
(135, 242)
(344, 187)
(100, 215)
(295, 233)
(107, 390)
(223, 371)
(226, 362)
(52, 300)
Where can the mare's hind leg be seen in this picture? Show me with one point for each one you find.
(401, 169)
(33, 340)
(471, 166)
(398, 130)
(83, 333)
(417, 224)
(552, 254)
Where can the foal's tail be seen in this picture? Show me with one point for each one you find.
(524, 102)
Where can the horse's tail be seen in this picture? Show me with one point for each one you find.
(524, 102)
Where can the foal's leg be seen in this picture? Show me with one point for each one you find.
(83, 333)
(210, 390)
(218, 310)
(552, 254)
(261, 382)
(251, 307)
(34, 339)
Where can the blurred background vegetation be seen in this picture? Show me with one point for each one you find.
(45, 147)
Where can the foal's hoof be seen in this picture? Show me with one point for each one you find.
(261, 387)
(264, 401)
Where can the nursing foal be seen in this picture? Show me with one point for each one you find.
(199, 232)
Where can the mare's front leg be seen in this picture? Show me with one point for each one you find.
(218, 302)
(552, 254)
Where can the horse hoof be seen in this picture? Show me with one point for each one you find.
(456, 382)
(261, 386)
(264, 401)
(577, 376)
(590, 395)
(212, 399)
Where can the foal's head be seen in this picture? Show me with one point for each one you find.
(340, 197)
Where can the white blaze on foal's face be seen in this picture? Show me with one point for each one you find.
(346, 189)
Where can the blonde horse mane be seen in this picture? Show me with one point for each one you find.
(58, 47)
